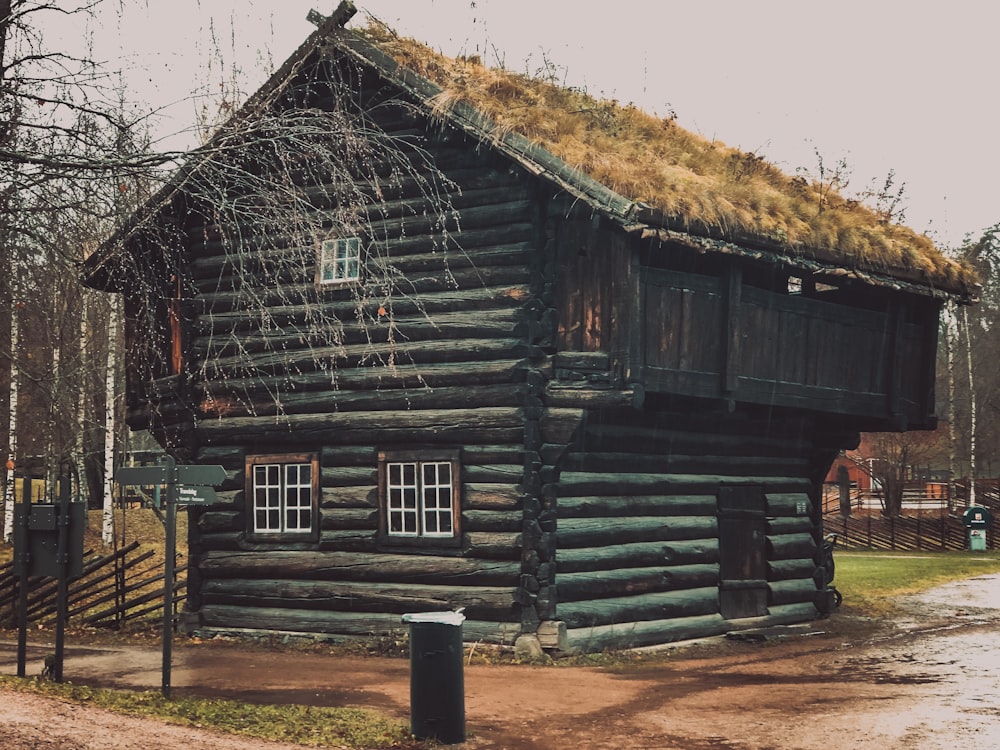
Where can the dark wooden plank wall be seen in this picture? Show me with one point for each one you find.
(792, 350)
(455, 375)
(637, 531)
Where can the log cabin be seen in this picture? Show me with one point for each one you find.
(465, 339)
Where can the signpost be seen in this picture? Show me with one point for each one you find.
(48, 541)
(185, 485)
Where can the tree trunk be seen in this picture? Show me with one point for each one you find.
(972, 410)
(108, 521)
(8, 520)
(949, 339)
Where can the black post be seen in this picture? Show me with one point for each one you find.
(22, 593)
(62, 558)
(168, 574)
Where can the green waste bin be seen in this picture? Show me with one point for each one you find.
(437, 683)
(977, 520)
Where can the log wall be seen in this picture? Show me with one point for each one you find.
(638, 558)
(453, 364)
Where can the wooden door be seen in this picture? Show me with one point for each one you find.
(742, 551)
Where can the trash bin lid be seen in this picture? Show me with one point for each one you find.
(442, 618)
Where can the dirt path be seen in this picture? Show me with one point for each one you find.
(931, 680)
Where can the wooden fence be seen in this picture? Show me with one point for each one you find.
(928, 533)
(117, 588)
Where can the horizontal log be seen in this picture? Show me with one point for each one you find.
(790, 525)
(341, 400)
(599, 584)
(349, 497)
(657, 606)
(455, 326)
(644, 554)
(696, 435)
(481, 301)
(349, 476)
(652, 632)
(791, 591)
(491, 496)
(788, 504)
(232, 457)
(348, 540)
(604, 506)
(511, 454)
(594, 532)
(493, 545)
(492, 520)
(576, 484)
(377, 355)
(222, 618)
(348, 455)
(368, 378)
(559, 425)
(789, 546)
(363, 519)
(479, 602)
(214, 521)
(233, 292)
(564, 395)
(379, 567)
(474, 472)
(783, 570)
(644, 633)
(583, 361)
(305, 427)
(678, 463)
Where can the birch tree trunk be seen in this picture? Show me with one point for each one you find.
(79, 444)
(972, 410)
(8, 515)
(110, 401)
(949, 343)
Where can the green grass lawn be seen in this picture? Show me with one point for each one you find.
(870, 581)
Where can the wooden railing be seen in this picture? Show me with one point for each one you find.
(123, 586)
(927, 521)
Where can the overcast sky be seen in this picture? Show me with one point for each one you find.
(884, 84)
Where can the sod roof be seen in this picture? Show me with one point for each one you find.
(669, 177)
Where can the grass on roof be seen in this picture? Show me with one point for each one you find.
(705, 185)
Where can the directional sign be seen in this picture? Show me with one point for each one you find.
(200, 475)
(142, 475)
(195, 495)
(195, 474)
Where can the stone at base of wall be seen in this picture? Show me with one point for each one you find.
(527, 648)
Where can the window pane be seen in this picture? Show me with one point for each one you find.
(420, 499)
(340, 260)
(282, 497)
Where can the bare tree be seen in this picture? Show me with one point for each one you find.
(71, 156)
(893, 458)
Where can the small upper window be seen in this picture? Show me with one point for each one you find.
(419, 496)
(282, 494)
(339, 260)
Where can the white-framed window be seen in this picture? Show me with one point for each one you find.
(282, 494)
(419, 496)
(339, 260)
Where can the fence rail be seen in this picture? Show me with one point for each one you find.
(929, 519)
(113, 590)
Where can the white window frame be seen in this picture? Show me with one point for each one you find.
(282, 494)
(339, 261)
(419, 496)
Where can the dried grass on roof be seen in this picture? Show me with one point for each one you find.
(704, 184)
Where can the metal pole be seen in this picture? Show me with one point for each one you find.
(22, 594)
(168, 574)
(62, 552)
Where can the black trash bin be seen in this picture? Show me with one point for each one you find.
(437, 683)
